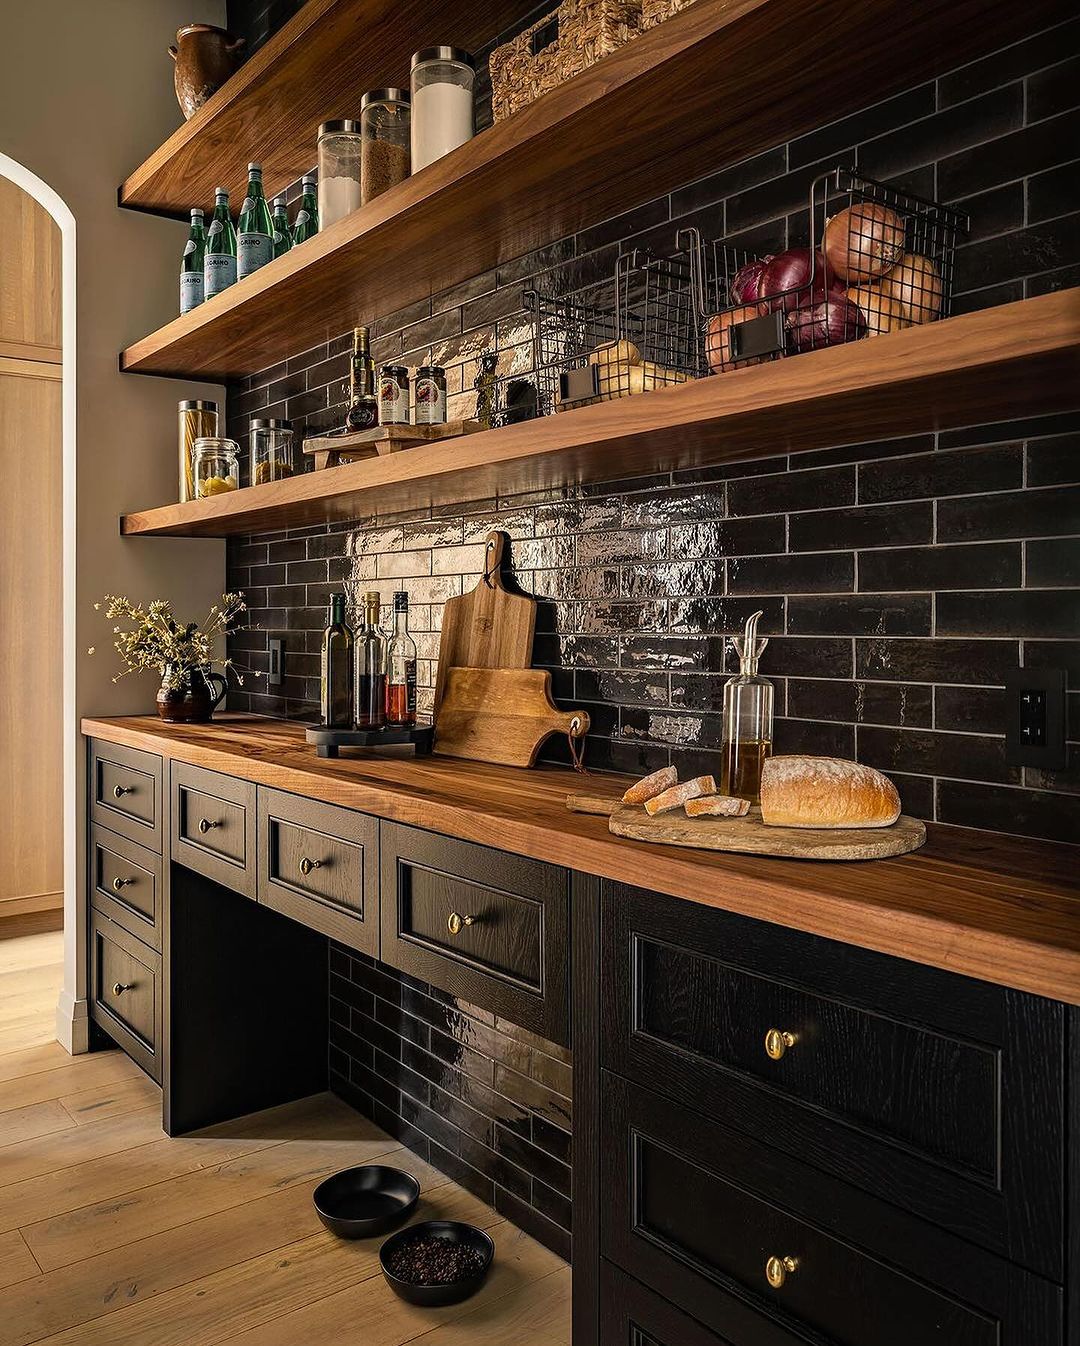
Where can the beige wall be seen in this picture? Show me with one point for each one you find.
(85, 94)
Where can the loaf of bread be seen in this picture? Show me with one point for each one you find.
(651, 786)
(717, 806)
(677, 795)
(826, 792)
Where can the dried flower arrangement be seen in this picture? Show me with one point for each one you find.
(159, 643)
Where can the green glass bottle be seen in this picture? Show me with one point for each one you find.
(191, 265)
(306, 224)
(219, 267)
(337, 668)
(282, 232)
(255, 235)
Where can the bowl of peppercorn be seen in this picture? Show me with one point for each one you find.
(436, 1262)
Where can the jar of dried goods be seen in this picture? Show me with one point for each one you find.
(217, 466)
(442, 102)
(197, 419)
(339, 170)
(384, 141)
(271, 450)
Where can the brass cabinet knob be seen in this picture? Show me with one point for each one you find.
(119, 883)
(120, 790)
(120, 987)
(778, 1269)
(777, 1042)
(454, 922)
(306, 866)
(205, 825)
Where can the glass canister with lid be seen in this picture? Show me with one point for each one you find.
(197, 419)
(217, 466)
(271, 450)
(442, 102)
(384, 141)
(339, 170)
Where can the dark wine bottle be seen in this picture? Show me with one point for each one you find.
(337, 668)
(370, 668)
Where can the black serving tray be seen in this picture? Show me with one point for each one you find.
(328, 741)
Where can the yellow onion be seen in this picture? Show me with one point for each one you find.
(616, 353)
(880, 311)
(718, 350)
(915, 284)
(863, 241)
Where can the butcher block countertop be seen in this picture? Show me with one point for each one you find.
(998, 908)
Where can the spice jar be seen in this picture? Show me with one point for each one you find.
(442, 103)
(384, 141)
(217, 466)
(339, 170)
(430, 394)
(196, 420)
(394, 395)
(271, 450)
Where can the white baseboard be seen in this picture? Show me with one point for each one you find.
(73, 1024)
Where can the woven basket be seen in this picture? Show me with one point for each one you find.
(656, 11)
(585, 32)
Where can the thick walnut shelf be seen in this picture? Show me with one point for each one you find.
(1019, 359)
(722, 80)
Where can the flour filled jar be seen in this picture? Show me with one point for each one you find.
(339, 171)
(442, 102)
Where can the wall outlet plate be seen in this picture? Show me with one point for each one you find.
(275, 675)
(1035, 718)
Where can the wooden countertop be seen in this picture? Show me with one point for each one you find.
(998, 908)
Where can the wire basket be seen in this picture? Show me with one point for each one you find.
(879, 260)
(633, 332)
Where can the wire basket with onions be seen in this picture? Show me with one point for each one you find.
(879, 260)
(632, 332)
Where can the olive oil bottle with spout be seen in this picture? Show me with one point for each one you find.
(748, 718)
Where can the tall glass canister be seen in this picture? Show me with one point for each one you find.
(442, 103)
(339, 171)
(384, 141)
(198, 420)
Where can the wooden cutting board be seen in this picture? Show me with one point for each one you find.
(331, 450)
(501, 715)
(489, 627)
(750, 835)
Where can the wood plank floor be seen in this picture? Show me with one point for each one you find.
(112, 1234)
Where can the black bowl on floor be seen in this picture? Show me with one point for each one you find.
(358, 1203)
(453, 1292)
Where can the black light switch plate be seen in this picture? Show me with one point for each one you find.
(1035, 718)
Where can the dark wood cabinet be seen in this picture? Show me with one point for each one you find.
(213, 826)
(483, 924)
(125, 792)
(320, 865)
(125, 998)
(631, 1315)
(125, 884)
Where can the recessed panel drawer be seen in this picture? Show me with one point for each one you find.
(942, 1093)
(320, 865)
(124, 992)
(483, 924)
(213, 826)
(125, 792)
(125, 884)
(715, 1218)
(631, 1315)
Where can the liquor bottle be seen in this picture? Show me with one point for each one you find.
(191, 265)
(363, 412)
(370, 668)
(337, 668)
(282, 232)
(747, 718)
(306, 224)
(219, 265)
(401, 668)
(255, 233)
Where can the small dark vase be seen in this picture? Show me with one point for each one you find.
(187, 697)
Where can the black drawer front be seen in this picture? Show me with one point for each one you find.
(716, 1218)
(319, 865)
(942, 1093)
(124, 991)
(483, 924)
(125, 792)
(213, 826)
(630, 1315)
(125, 884)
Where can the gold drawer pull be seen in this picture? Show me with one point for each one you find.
(119, 791)
(306, 866)
(119, 883)
(778, 1269)
(455, 923)
(777, 1042)
(205, 825)
(120, 987)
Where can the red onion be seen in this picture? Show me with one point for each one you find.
(864, 240)
(829, 322)
(790, 272)
(718, 350)
(745, 285)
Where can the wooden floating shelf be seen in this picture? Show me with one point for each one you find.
(1017, 360)
(721, 80)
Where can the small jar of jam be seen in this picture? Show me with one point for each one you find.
(430, 395)
(394, 395)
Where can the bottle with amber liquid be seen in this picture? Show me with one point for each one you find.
(370, 668)
(401, 669)
(363, 410)
(337, 668)
(748, 718)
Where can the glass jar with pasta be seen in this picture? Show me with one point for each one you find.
(217, 466)
(197, 420)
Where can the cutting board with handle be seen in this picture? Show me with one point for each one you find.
(751, 836)
(501, 715)
(489, 627)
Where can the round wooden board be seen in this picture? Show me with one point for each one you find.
(752, 836)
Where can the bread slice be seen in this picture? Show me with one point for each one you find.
(679, 794)
(717, 806)
(826, 792)
(651, 786)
